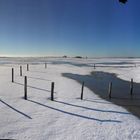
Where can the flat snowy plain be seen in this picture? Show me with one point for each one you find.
(67, 117)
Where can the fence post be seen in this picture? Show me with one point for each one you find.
(25, 87)
(20, 70)
(12, 75)
(94, 66)
(27, 67)
(45, 65)
(82, 91)
(110, 90)
(52, 91)
(131, 87)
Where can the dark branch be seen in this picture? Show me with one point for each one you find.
(123, 1)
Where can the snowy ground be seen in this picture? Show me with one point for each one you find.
(67, 117)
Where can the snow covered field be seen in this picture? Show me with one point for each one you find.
(67, 117)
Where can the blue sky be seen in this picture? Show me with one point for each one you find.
(69, 27)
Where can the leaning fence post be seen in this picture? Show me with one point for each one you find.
(25, 87)
(82, 91)
(45, 65)
(110, 90)
(131, 87)
(27, 67)
(20, 70)
(12, 75)
(52, 91)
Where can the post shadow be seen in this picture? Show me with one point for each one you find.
(35, 71)
(103, 102)
(93, 109)
(34, 87)
(25, 115)
(74, 114)
(38, 78)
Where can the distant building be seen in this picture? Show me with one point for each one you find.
(64, 56)
(78, 57)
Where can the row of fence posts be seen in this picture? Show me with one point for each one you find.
(25, 89)
(21, 71)
(28, 66)
(110, 89)
(25, 82)
(52, 85)
(94, 66)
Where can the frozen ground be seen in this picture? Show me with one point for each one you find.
(67, 117)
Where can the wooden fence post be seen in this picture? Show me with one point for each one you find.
(27, 67)
(25, 87)
(45, 65)
(52, 91)
(20, 70)
(82, 91)
(131, 87)
(12, 75)
(94, 66)
(110, 90)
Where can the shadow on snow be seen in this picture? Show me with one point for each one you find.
(74, 114)
(34, 87)
(15, 109)
(98, 82)
(93, 109)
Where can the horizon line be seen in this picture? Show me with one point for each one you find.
(63, 56)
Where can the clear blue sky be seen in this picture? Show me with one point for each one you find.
(69, 27)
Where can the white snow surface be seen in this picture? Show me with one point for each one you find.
(68, 117)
